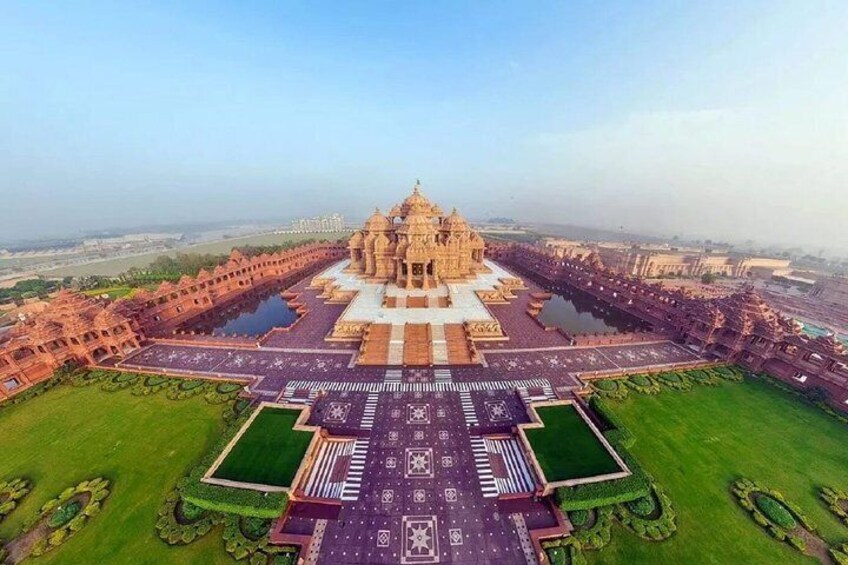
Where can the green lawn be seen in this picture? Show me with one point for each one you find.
(269, 452)
(144, 445)
(567, 448)
(695, 443)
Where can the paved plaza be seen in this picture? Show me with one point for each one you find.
(422, 465)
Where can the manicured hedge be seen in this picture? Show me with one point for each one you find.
(776, 512)
(677, 381)
(260, 550)
(643, 384)
(606, 493)
(599, 534)
(612, 388)
(644, 506)
(63, 523)
(578, 517)
(768, 509)
(229, 500)
(623, 436)
(835, 499)
(564, 551)
(177, 525)
(10, 493)
(658, 524)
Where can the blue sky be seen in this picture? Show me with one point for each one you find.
(716, 119)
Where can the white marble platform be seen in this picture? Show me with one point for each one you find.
(367, 306)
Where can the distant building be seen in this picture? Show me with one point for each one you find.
(833, 290)
(319, 224)
(650, 261)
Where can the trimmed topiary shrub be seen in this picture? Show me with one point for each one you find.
(64, 514)
(776, 512)
(181, 522)
(651, 518)
(677, 381)
(643, 384)
(119, 381)
(837, 502)
(67, 514)
(771, 511)
(610, 388)
(644, 506)
(240, 546)
(599, 534)
(187, 389)
(578, 517)
(10, 493)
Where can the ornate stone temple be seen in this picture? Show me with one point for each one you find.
(416, 245)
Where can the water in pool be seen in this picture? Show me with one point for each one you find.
(253, 316)
(579, 313)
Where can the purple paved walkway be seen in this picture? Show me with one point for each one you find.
(421, 498)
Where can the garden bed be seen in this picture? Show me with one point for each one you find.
(268, 452)
(567, 448)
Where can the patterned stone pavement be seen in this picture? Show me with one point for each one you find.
(417, 481)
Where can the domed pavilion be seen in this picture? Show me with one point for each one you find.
(416, 245)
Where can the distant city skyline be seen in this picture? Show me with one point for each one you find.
(717, 120)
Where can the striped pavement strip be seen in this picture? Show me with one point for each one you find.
(443, 376)
(319, 484)
(477, 386)
(353, 481)
(468, 409)
(289, 395)
(394, 376)
(519, 477)
(370, 410)
(484, 467)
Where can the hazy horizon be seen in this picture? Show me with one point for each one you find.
(719, 120)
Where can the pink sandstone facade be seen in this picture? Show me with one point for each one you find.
(83, 330)
(740, 328)
(416, 245)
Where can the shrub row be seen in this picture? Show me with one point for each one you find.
(10, 493)
(677, 381)
(564, 551)
(120, 381)
(178, 526)
(143, 385)
(749, 495)
(229, 500)
(654, 520)
(63, 523)
(187, 389)
(835, 499)
(33, 391)
(606, 493)
(623, 436)
(610, 388)
(643, 384)
(839, 554)
(257, 551)
(598, 535)
(704, 377)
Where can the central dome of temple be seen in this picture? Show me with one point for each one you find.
(421, 250)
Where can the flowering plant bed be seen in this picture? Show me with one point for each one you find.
(10, 493)
(60, 518)
(781, 519)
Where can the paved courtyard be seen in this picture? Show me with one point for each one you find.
(425, 469)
